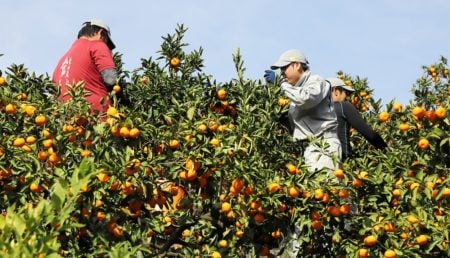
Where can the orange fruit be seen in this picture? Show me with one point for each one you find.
(357, 183)
(134, 132)
(254, 205)
(215, 142)
(383, 116)
(334, 211)
(42, 155)
(343, 193)
(216, 254)
(223, 243)
(283, 102)
(440, 112)
(403, 127)
(46, 133)
(397, 193)
(221, 94)
(422, 240)
(339, 173)
(117, 88)
(103, 177)
(424, 144)
(10, 109)
(414, 186)
(186, 233)
(124, 132)
(85, 188)
(35, 188)
(344, 209)
(174, 144)
(222, 128)
(27, 148)
(40, 120)
(112, 112)
(202, 128)
(318, 194)
(2, 81)
(225, 207)
(175, 62)
(388, 227)
(389, 253)
(276, 234)
(273, 187)
(317, 224)
(238, 184)
(315, 215)
(117, 232)
(404, 235)
(363, 175)
(418, 112)
(398, 107)
(294, 192)
(67, 128)
(412, 219)
(22, 96)
(29, 110)
(446, 192)
(370, 240)
(292, 169)
(431, 116)
(19, 142)
(47, 143)
(259, 218)
(101, 215)
(85, 153)
(430, 184)
(363, 253)
(326, 197)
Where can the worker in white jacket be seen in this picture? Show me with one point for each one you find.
(312, 118)
(311, 112)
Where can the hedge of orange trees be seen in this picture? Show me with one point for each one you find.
(199, 168)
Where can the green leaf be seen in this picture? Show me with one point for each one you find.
(58, 196)
(86, 167)
(190, 113)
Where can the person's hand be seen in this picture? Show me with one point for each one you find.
(269, 75)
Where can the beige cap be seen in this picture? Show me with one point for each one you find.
(290, 56)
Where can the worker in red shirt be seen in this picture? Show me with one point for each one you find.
(89, 60)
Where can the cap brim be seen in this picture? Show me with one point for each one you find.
(348, 88)
(279, 64)
(110, 44)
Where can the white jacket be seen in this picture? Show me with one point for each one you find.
(311, 111)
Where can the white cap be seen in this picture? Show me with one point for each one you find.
(335, 82)
(290, 56)
(103, 25)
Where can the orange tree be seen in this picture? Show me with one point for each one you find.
(193, 167)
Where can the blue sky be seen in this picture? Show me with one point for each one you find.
(385, 41)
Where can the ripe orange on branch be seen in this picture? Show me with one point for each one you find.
(424, 144)
(175, 62)
(384, 116)
(221, 94)
(40, 120)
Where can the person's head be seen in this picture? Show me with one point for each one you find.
(340, 91)
(292, 64)
(97, 28)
